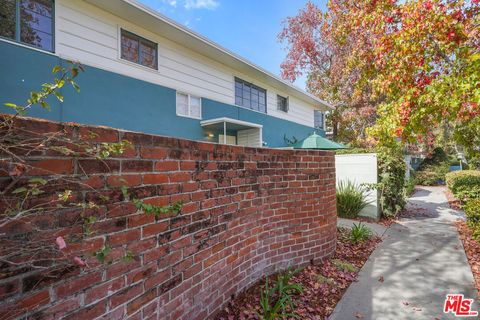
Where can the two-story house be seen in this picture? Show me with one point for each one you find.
(144, 72)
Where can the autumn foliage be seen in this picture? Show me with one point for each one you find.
(396, 68)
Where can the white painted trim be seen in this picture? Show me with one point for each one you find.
(205, 123)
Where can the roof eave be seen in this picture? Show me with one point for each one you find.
(195, 41)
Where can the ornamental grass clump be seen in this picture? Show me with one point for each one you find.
(351, 199)
(277, 301)
(359, 233)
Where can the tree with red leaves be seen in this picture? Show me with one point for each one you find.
(414, 65)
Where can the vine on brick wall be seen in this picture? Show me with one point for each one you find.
(33, 198)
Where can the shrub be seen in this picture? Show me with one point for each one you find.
(391, 181)
(433, 169)
(354, 151)
(351, 199)
(464, 184)
(359, 233)
(472, 210)
(410, 186)
(432, 175)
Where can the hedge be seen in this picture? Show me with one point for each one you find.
(433, 169)
(472, 211)
(464, 184)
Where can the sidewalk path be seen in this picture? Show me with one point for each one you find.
(421, 260)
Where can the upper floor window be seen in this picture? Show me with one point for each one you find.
(189, 106)
(319, 119)
(250, 96)
(282, 103)
(28, 21)
(139, 50)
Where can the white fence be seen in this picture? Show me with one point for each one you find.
(360, 169)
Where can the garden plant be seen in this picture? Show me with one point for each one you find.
(351, 199)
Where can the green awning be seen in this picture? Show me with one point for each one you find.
(314, 141)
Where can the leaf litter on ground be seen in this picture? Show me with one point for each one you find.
(323, 284)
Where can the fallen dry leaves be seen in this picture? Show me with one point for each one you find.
(452, 201)
(323, 285)
(415, 211)
(472, 249)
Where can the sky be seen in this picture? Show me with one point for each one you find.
(249, 28)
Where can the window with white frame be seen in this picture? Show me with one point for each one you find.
(189, 105)
(319, 119)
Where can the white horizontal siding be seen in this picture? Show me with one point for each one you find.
(90, 35)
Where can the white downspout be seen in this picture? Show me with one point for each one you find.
(224, 132)
(261, 137)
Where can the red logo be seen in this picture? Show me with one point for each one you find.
(459, 306)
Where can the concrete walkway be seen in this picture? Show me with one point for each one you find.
(421, 260)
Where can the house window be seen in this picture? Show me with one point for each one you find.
(28, 21)
(282, 103)
(319, 119)
(139, 50)
(250, 96)
(189, 106)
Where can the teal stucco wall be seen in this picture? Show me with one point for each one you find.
(114, 100)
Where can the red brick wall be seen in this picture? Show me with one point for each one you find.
(247, 212)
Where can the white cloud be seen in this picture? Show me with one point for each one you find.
(172, 3)
(201, 4)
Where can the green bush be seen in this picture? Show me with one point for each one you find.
(464, 184)
(433, 169)
(351, 199)
(354, 151)
(391, 181)
(410, 186)
(432, 175)
(437, 157)
(472, 210)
